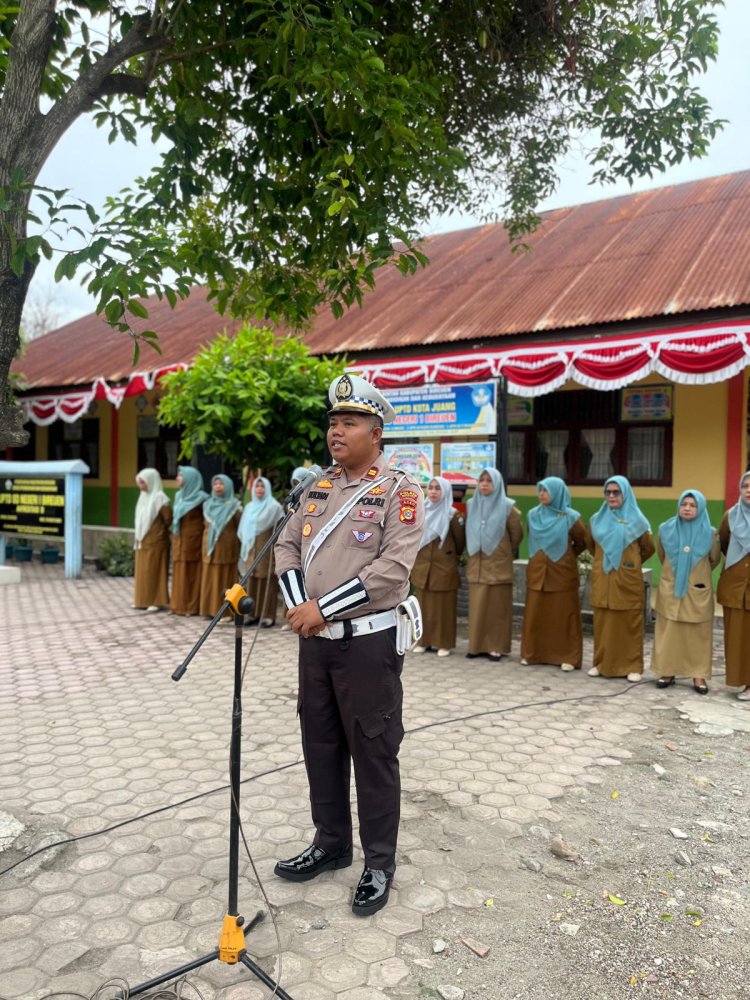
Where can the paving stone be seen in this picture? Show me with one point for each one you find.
(342, 972)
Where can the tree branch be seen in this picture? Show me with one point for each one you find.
(29, 50)
(96, 82)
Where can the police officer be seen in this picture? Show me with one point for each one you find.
(344, 561)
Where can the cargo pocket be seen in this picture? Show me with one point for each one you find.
(381, 731)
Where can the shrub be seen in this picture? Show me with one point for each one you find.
(116, 556)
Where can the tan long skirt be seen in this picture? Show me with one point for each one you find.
(186, 587)
(264, 591)
(150, 577)
(682, 649)
(618, 642)
(552, 628)
(216, 579)
(737, 646)
(438, 618)
(490, 617)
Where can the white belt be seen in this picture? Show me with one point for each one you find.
(361, 626)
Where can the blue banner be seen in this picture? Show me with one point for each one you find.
(443, 410)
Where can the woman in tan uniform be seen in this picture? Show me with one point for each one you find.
(620, 540)
(258, 520)
(187, 534)
(153, 516)
(493, 534)
(435, 573)
(688, 548)
(734, 590)
(552, 616)
(221, 546)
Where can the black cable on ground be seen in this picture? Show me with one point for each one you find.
(630, 689)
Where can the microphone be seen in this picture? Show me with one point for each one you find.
(313, 473)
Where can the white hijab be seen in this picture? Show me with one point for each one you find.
(150, 502)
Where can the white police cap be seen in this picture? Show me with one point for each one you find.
(352, 394)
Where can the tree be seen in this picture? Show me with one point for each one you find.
(255, 399)
(305, 137)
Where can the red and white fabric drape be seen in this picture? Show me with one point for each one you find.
(45, 409)
(692, 355)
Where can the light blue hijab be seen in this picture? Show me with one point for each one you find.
(549, 526)
(258, 516)
(686, 542)
(486, 517)
(614, 530)
(190, 494)
(739, 525)
(218, 511)
(437, 516)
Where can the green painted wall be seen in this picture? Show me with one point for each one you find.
(96, 505)
(127, 498)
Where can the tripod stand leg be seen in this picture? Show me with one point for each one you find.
(134, 991)
(266, 980)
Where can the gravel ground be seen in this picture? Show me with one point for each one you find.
(639, 909)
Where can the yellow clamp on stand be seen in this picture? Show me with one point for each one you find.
(234, 596)
(231, 940)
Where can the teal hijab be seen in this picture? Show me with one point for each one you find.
(218, 511)
(549, 525)
(188, 496)
(614, 530)
(486, 517)
(258, 516)
(686, 542)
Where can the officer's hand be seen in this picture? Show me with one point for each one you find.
(306, 619)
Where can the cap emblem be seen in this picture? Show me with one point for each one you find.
(344, 389)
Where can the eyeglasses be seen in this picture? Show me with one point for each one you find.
(612, 493)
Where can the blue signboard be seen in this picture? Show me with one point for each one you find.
(443, 410)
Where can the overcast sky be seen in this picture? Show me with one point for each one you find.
(92, 169)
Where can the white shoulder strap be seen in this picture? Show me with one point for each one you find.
(337, 518)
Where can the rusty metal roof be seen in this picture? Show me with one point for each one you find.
(664, 252)
(88, 348)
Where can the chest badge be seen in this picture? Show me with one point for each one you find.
(361, 536)
(324, 484)
(368, 512)
(311, 507)
(376, 491)
(372, 473)
(307, 530)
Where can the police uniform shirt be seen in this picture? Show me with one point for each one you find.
(363, 566)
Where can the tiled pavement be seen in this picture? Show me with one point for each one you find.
(94, 733)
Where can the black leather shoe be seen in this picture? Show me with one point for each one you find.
(312, 861)
(372, 892)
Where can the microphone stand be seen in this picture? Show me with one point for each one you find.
(232, 947)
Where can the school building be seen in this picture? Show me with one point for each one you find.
(618, 343)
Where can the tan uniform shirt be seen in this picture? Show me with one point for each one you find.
(622, 589)
(734, 583)
(497, 567)
(375, 543)
(436, 565)
(698, 603)
(542, 573)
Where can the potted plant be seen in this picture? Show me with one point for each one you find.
(50, 553)
(23, 550)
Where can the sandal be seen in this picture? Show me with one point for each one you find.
(665, 682)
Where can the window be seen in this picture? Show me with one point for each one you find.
(77, 440)
(158, 446)
(579, 436)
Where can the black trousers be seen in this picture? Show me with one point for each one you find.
(350, 700)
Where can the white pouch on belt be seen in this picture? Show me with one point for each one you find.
(408, 624)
